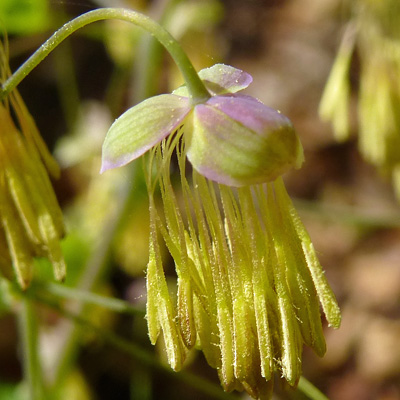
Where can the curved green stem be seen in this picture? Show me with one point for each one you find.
(197, 90)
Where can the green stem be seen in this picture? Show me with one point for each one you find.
(29, 338)
(197, 90)
(310, 390)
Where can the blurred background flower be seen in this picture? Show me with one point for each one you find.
(372, 36)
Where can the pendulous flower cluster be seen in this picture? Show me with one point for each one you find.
(248, 284)
(31, 222)
(372, 37)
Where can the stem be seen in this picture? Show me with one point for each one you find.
(197, 90)
(29, 338)
(310, 390)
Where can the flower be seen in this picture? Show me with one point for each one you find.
(31, 222)
(231, 138)
(248, 281)
(372, 37)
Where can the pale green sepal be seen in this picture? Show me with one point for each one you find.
(141, 127)
(220, 79)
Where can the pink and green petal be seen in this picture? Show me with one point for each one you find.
(236, 140)
(142, 127)
(220, 79)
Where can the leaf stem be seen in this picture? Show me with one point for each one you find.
(197, 90)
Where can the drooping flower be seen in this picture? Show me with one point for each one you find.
(31, 222)
(372, 36)
(249, 283)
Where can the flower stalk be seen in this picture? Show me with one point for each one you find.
(198, 92)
